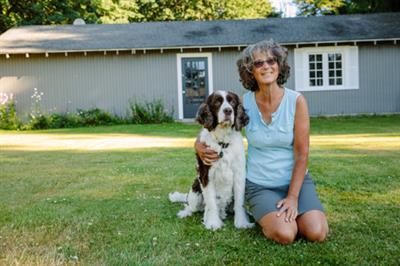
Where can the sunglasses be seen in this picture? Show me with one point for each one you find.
(260, 63)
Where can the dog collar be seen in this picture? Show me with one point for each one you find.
(223, 146)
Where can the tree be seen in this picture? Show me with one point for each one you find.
(46, 12)
(319, 7)
(5, 20)
(370, 6)
(123, 11)
(335, 7)
(49, 12)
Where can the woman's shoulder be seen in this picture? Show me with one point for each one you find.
(247, 94)
(246, 99)
(292, 93)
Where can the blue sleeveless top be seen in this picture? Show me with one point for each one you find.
(270, 157)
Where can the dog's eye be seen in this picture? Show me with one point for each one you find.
(231, 100)
(218, 101)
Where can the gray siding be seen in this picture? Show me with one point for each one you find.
(225, 73)
(110, 81)
(379, 92)
(379, 74)
(107, 82)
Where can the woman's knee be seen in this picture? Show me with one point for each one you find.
(276, 229)
(314, 230)
(317, 233)
(284, 235)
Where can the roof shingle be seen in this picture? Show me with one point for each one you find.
(218, 33)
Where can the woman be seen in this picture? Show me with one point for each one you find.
(279, 189)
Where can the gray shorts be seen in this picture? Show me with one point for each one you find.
(263, 200)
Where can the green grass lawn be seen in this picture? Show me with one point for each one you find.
(96, 203)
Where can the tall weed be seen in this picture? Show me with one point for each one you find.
(8, 116)
(150, 113)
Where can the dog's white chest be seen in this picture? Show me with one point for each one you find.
(222, 176)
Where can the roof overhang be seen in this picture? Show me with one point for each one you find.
(143, 50)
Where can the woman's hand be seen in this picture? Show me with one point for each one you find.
(288, 206)
(207, 155)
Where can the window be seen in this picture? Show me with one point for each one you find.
(335, 69)
(315, 69)
(326, 68)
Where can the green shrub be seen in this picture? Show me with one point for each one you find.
(150, 113)
(8, 116)
(96, 116)
(58, 120)
(83, 118)
(38, 122)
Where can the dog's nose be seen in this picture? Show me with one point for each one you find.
(227, 111)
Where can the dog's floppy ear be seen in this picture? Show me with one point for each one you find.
(242, 119)
(205, 117)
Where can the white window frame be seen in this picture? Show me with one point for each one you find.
(179, 76)
(350, 66)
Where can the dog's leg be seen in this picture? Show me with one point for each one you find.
(178, 197)
(211, 215)
(223, 202)
(222, 212)
(241, 219)
(194, 204)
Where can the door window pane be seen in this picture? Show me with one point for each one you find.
(195, 80)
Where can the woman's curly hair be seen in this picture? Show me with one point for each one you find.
(245, 63)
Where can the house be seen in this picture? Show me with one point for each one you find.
(346, 64)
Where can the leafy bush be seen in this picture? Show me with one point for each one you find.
(38, 122)
(153, 112)
(8, 116)
(150, 113)
(96, 116)
(83, 118)
(58, 120)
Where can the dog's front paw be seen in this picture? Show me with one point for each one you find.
(241, 221)
(213, 224)
(244, 225)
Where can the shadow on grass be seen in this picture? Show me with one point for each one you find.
(385, 125)
(111, 207)
(170, 130)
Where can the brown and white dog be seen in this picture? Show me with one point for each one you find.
(217, 186)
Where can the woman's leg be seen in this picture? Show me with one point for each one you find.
(275, 228)
(313, 225)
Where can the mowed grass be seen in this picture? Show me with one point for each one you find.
(107, 204)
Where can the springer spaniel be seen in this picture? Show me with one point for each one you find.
(221, 184)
